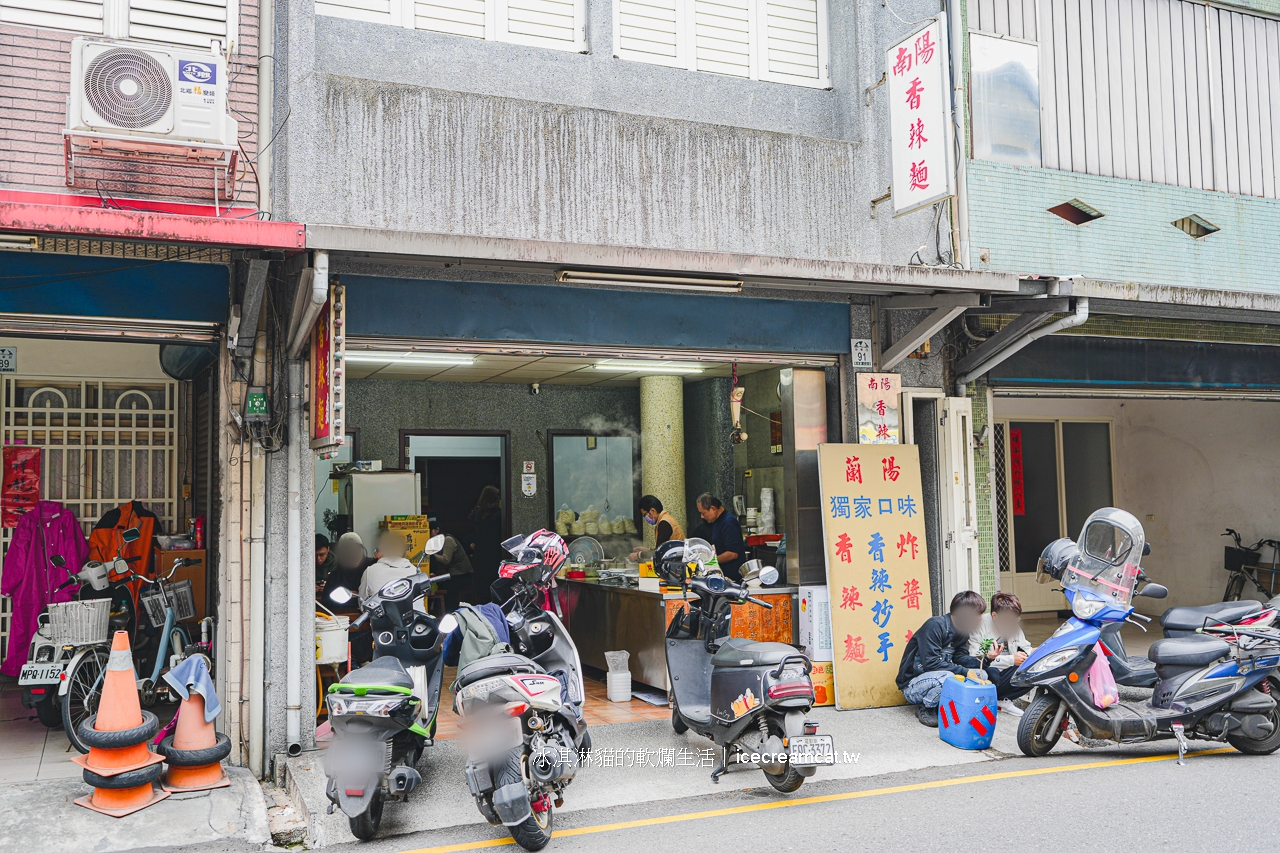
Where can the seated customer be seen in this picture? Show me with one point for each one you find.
(350, 561)
(1007, 647)
(391, 565)
(937, 651)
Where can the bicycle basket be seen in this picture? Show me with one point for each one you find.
(74, 623)
(184, 603)
(1235, 559)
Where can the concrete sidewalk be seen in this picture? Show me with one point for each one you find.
(868, 743)
(41, 816)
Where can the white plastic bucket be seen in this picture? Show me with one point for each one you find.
(331, 639)
(619, 686)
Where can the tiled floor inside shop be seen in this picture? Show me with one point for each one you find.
(28, 751)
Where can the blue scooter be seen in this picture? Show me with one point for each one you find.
(1210, 686)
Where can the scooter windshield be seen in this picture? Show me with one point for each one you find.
(1110, 550)
(698, 551)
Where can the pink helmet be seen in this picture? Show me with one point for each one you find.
(544, 549)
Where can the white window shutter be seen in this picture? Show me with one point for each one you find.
(794, 42)
(650, 31)
(373, 11)
(196, 23)
(722, 31)
(80, 16)
(559, 24)
(458, 17)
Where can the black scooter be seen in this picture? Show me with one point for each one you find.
(383, 714)
(749, 698)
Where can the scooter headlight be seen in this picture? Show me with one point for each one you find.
(380, 706)
(1086, 608)
(1054, 660)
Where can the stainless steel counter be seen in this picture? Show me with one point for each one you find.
(607, 617)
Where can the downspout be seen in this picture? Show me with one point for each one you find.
(301, 333)
(1069, 322)
(257, 575)
(266, 99)
(293, 623)
(959, 110)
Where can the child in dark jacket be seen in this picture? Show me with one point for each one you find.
(937, 651)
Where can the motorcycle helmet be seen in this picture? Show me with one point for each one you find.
(1055, 558)
(669, 562)
(543, 552)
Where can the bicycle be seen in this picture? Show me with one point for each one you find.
(1243, 564)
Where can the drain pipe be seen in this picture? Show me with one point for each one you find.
(257, 572)
(306, 316)
(1069, 322)
(293, 623)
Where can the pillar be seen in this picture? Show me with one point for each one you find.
(662, 445)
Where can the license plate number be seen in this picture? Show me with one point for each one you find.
(41, 673)
(812, 750)
(493, 737)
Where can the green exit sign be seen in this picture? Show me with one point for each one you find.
(256, 410)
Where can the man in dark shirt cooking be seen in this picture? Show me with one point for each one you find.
(937, 651)
(726, 535)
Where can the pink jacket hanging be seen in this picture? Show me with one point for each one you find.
(30, 579)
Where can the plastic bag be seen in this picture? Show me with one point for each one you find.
(1102, 684)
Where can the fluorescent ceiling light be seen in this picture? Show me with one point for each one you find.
(667, 282)
(19, 242)
(437, 359)
(619, 366)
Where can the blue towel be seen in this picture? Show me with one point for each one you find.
(192, 676)
(498, 619)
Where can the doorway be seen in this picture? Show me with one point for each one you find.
(1050, 476)
(454, 467)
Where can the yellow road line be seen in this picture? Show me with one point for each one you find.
(823, 798)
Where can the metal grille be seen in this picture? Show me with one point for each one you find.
(128, 88)
(1004, 547)
(103, 444)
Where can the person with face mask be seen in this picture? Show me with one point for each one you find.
(665, 526)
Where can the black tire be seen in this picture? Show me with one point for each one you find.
(91, 737)
(1034, 739)
(195, 757)
(128, 779)
(84, 689)
(1235, 587)
(677, 722)
(365, 825)
(49, 712)
(1266, 745)
(790, 779)
(535, 832)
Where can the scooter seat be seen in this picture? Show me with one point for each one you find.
(495, 665)
(1188, 651)
(382, 672)
(1193, 618)
(736, 652)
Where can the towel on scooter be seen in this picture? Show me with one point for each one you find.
(192, 676)
(493, 615)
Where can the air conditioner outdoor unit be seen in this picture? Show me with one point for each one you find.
(149, 102)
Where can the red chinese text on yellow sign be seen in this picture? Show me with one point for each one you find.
(877, 565)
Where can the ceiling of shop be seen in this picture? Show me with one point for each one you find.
(524, 369)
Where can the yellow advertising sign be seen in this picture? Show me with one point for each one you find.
(877, 565)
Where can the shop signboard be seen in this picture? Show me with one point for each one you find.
(327, 384)
(21, 484)
(918, 76)
(878, 408)
(877, 565)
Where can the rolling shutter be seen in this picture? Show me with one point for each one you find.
(722, 36)
(648, 31)
(196, 23)
(80, 16)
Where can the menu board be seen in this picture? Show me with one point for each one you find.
(877, 565)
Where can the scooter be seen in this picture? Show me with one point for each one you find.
(383, 714)
(1207, 688)
(521, 710)
(749, 698)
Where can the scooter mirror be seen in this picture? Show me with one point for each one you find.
(58, 560)
(768, 576)
(131, 535)
(340, 595)
(434, 545)
(1153, 590)
(1146, 549)
(448, 624)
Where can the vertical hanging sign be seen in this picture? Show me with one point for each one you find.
(1018, 495)
(918, 72)
(328, 346)
(877, 565)
(879, 419)
(21, 485)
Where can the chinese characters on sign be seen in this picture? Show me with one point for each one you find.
(1016, 485)
(878, 421)
(21, 487)
(919, 85)
(327, 349)
(877, 565)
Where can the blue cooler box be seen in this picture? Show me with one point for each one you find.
(967, 713)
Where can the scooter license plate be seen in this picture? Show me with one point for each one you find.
(493, 736)
(41, 673)
(812, 750)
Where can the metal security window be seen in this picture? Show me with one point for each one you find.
(557, 24)
(781, 41)
(103, 443)
(194, 23)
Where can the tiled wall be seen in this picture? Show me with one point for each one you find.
(982, 490)
(35, 75)
(1133, 242)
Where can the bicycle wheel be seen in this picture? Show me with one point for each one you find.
(84, 688)
(1235, 587)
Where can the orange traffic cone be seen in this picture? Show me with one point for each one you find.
(119, 765)
(195, 751)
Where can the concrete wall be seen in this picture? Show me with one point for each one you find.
(397, 128)
(1187, 470)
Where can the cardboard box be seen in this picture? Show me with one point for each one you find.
(195, 574)
(824, 684)
(815, 623)
(404, 522)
